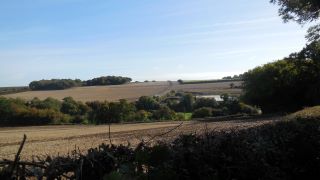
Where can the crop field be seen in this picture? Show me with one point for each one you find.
(209, 88)
(61, 140)
(130, 91)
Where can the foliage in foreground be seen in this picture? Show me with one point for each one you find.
(284, 150)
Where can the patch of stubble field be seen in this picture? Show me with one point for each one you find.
(61, 140)
(130, 92)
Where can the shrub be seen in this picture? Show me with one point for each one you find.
(142, 115)
(72, 107)
(48, 103)
(205, 102)
(164, 113)
(147, 103)
(247, 109)
(217, 112)
(202, 112)
(183, 116)
(35, 112)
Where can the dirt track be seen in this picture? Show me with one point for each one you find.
(56, 140)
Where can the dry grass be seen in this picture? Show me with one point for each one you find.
(100, 93)
(307, 113)
(130, 92)
(209, 88)
(56, 140)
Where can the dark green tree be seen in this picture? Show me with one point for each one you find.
(202, 112)
(164, 113)
(302, 12)
(147, 103)
(187, 101)
(286, 85)
(205, 102)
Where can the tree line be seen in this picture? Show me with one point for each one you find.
(291, 83)
(288, 84)
(173, 106)
(60, 84)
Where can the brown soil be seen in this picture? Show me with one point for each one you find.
(61, 140)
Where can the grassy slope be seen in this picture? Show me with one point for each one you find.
(307, 113)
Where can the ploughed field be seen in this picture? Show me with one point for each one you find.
(130, 92)
(61, 140)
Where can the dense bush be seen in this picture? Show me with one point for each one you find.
(54, 84)
(164, 113)
(147, 103)
(142, 115)
(48, 103)
(205, 102)
(229, 106)
(21, 112)
(107, 80)
(247, 109)
(72, 107)
(179, 102)
(202, 112)
(283, 150)
(286, 85)
(113, 112)
(52, 111)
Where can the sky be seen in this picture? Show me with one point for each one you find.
(141, 39)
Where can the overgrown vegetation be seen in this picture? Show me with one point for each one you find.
(173, 106)
(59, 84)
(284, 150)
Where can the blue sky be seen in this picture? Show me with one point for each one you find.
(142, 39)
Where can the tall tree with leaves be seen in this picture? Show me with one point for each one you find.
(302, 12)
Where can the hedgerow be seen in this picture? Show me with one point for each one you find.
(283, 150)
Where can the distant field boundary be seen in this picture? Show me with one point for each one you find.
(13, 90)
(240, 117)
(209, 81)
